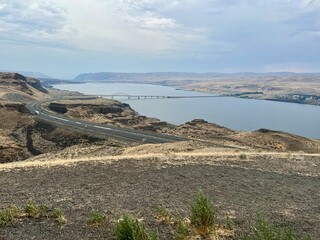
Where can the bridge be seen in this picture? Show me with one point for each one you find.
(135, 97)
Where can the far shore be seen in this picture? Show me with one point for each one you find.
(304, 97)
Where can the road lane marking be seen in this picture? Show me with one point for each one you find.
(122, 133)
(102, 127)
(62, 119)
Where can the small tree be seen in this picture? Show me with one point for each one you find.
(129, 228)
(96, 218)
(263, 230)
(202, 215)
(182, 231)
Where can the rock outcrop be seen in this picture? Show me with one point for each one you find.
(107, 112)
(21, 83)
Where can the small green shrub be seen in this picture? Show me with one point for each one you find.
(164, 215)
(243, 156)
(309, 237)
(230, 224)
(154, 235)
(129, 228)
(202, 215)
(182, 231)
(35, 211)
(59, 216)
(96, 218)
(263, 230)
(8, 216)
(43, 210)
(32, 210)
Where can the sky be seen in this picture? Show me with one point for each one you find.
(63, 38)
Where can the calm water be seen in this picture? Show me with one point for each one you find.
(235, 113)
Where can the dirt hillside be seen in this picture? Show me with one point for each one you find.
(259, 140)
(281, 187)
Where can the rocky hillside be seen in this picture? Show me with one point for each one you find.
(106, 111)
(22, 136)
(16, 88)
(21, 83)
(263, 139)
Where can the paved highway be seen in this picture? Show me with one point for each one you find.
(112, 131)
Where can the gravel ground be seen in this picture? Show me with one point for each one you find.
(140, 187)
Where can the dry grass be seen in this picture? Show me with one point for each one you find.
(297, 161)
(269, 85)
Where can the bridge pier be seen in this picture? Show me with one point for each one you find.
(129, 97)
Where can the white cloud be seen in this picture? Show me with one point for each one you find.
(206, 29)
(134, 26)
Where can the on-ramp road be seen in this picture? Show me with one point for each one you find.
(112, 131)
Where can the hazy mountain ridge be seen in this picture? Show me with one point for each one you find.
(29, 74)
(120, 76)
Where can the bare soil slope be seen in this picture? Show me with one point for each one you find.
(262, 139)
(280, 187)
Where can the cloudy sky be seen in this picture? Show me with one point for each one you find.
(63, 38)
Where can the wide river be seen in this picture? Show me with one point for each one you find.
(231, 112)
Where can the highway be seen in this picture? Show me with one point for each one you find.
(109, 131)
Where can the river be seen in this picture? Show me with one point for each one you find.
(231, 112)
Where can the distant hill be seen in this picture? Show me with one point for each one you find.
(114, 76)
(53, 81)
(29, 74)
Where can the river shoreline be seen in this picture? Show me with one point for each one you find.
(299, 98)
(250, 95)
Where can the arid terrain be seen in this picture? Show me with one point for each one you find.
(265, 172)
(298, 89)
(283, 187)
(282, 86)
(105, 111)
(21, 136)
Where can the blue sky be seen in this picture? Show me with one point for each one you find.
(63, 38)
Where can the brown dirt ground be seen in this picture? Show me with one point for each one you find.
(282, 187)
(261, 140)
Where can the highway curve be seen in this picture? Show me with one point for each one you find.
(110, 131)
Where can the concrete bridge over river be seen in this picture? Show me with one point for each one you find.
(137, 97)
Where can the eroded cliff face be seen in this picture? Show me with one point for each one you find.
(108, 112)
(116, 108)
(20, 83)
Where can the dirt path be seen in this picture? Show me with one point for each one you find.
(176, 155)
